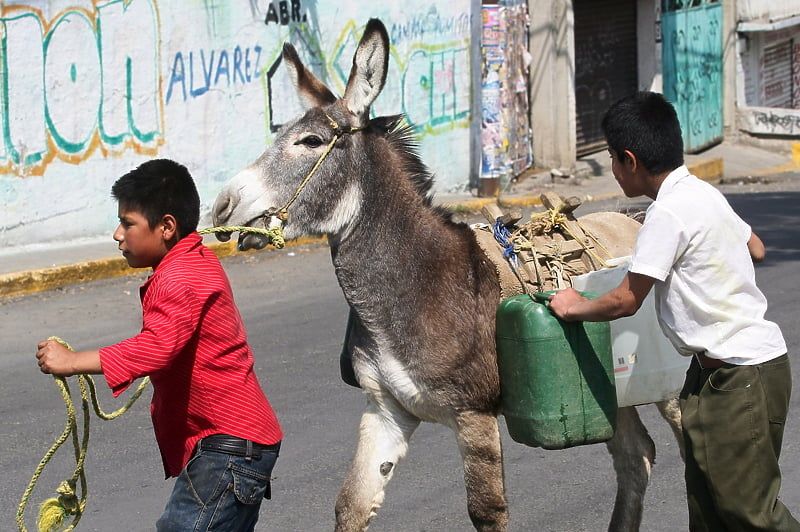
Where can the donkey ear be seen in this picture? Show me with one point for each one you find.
(312, 91)
(370, 64)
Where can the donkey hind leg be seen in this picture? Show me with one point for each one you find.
(479, 442)
(670, 410)
(383, 440)
(634, 454)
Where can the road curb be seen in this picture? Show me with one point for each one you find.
(29, 282)
(711, 170)
(32, 281)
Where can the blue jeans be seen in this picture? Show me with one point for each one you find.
(218, 491)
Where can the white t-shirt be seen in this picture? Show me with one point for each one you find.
(695, 246)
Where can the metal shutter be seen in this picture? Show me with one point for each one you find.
(606, 66)
(776, 76)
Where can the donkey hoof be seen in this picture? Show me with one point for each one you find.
(386, 467)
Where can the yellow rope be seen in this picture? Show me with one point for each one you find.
(54, 511)
(275, 234)
(338, 132)
(586, 248)
(545, 222)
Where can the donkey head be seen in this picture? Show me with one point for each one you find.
(330, 200)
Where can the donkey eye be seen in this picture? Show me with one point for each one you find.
(312, 141)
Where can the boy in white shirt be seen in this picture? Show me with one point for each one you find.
(698, 253)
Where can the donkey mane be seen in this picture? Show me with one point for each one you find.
(403, 140)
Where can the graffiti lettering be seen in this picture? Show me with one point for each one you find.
(71, 94)
(428, 83)
(693, 73)
(429, 96)
(769, 122)
(195, 73)
(285, 12)
(430, 24)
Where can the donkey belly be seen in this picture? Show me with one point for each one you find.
(386, 374)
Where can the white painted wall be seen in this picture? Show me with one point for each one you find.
(767, 10)
(93, 88)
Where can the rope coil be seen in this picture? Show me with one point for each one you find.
(55, 510)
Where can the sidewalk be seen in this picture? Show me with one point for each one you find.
(41, 267)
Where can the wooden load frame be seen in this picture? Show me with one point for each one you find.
(551, 248)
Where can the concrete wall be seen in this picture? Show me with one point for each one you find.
(729, 60)
(648, 44)
(93, 88)
(552, 83)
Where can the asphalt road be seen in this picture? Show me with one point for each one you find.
(295, 316)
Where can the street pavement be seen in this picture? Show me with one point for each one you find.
(295, 315)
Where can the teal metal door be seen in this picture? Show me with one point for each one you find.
(692, 65)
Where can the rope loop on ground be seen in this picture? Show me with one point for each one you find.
(54, 511)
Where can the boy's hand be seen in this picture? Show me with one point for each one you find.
(55, 359)
(561, 301)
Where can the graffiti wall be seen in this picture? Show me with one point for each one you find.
(91, 88)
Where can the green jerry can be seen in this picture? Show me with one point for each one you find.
(556, 378)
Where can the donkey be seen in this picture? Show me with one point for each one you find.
(423, 293)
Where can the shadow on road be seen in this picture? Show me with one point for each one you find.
(774, 217)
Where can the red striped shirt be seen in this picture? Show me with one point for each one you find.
(193, 345)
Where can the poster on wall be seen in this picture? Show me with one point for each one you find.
(505, 130)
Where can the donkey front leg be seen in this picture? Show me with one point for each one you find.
(383, 440)
(634, 454)
(479, 443)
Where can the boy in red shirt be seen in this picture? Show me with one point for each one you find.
(214, 426)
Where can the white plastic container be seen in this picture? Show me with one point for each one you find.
(646, 366)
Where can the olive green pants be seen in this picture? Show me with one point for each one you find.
(733, 419)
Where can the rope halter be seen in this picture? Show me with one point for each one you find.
(278, 217)
(275, 218)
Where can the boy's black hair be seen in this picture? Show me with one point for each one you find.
(647, 125)
(160, 187)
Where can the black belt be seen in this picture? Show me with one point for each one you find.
(706, 362)
(236, 446)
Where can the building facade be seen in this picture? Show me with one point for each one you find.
(92, 88)
(768, 68)
(731, 68)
